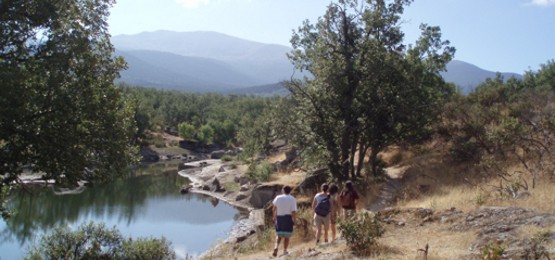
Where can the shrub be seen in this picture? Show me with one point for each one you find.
(260, 172)
(492, 251)
(91, 241)
(361, 232)
(304, 222)
(227, 158)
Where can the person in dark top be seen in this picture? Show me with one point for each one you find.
(349, 199)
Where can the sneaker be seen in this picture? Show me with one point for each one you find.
(285, 252)
(275, 252)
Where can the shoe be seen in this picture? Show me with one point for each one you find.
(285, 252)
(275, 252)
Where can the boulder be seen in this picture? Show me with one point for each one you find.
(241, 197)
(217, 154)
(264, 194)
(311, 184)
(242, 180)
(148, 155)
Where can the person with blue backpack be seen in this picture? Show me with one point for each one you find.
(322, 206)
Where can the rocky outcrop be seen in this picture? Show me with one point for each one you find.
(263, 194)
(311, 185)
(148, 155)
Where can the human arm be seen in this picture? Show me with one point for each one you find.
(274, 213)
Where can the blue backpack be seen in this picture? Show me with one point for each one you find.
(323, 207)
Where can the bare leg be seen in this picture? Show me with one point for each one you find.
(333, 231)
(326, 228)
(318, 232)
(278, 239)
(285, 243)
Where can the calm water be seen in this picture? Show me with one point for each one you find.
(143, 206)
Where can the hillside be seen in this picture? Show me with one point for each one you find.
(210, 61)
(467, 76)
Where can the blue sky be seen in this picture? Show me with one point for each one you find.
(497, 35)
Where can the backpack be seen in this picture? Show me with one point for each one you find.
(323, 207)
(346, 198)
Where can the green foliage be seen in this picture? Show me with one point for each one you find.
(493, 251)
(260, 171)
(232, 118)
(60, 113)
(504, 121)
(227, 158)
(361, 232)
(206, 134)
(92, 241)
(186, 131)
(368, 89)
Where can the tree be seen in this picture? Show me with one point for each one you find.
(92, 241)
(60, 113)
(186, 130)
(368, 90)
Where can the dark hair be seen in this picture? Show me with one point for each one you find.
(348, 186)
(334, 189)
(287, 189)
(325, 187)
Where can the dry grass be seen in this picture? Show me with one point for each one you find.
(404, 243)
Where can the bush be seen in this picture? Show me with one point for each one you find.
(361, 232)
(260, 172)
(227, 158)
(92, 241)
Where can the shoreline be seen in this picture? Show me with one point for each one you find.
(243, 228)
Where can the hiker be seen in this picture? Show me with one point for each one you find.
(334, 198)
(284, 210)
(349, 199)
(322, 207)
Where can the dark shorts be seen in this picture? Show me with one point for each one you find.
(284, 225)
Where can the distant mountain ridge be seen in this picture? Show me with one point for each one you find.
(467, 76)
(214, 62)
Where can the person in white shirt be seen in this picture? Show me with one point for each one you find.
(285, 208)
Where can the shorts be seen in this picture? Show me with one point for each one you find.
(319, 220)
(284, 226)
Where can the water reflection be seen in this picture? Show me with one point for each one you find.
(145, 205)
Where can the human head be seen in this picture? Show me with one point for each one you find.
(334, 189)
(286, 189)
(325, 187)
(349, 185)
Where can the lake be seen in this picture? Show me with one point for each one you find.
(146, 205)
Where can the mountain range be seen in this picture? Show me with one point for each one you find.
(214, 62)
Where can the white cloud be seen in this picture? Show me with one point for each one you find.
(192, 3)
(542, 2)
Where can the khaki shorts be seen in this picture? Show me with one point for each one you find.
(319, 220)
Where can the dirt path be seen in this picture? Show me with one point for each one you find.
(390, 190)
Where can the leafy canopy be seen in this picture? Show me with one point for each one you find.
(367, 90)
(60, 113)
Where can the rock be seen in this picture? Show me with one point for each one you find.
(148, 155)
(244, 187)
(222, 169)
(217, 154)
(206, 187)
(263, 194)
(241, 197)
(185, 190)
(242, 180)
(522, 195)
(312, 183)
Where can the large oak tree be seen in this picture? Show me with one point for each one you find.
(367, 89)
(60, 113)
